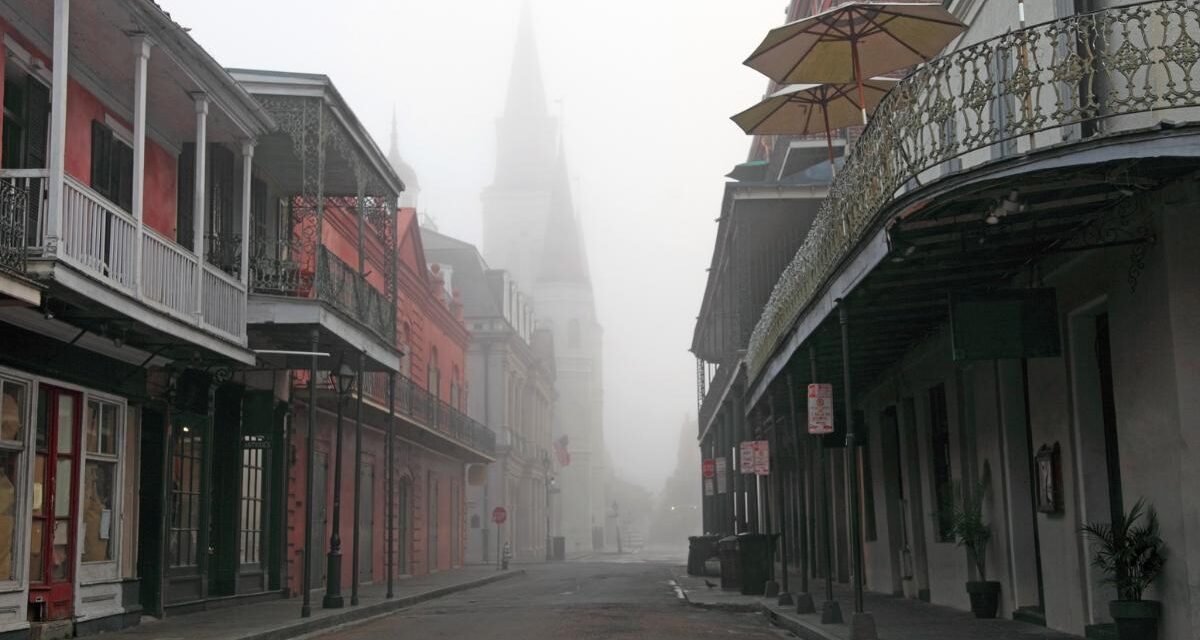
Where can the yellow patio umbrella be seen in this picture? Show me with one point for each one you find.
(807, 109)
(854, 41)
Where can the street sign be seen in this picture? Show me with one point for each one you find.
(820, 409)
(709, 467)
(722, 475)
(708, 486)
(762, 457)
(746, 457)
(499, 515)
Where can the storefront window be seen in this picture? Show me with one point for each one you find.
(12, 430)
(100, 481)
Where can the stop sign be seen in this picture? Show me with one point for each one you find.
(499, 515)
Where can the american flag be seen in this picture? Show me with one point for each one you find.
(560, 449)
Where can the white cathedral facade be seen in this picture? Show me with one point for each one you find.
(531, 230)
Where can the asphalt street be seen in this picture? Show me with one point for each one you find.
(602, 597)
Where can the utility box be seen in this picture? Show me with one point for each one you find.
(754, 562)
(700, 549)
(731, 572)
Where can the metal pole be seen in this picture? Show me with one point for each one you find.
(547, 479)
(333, 580)
(831, 612)
(391, 489)
(852, 455)
(311, 454)
(354, 579)
(785, 596)
(498, 558)
(802, 469)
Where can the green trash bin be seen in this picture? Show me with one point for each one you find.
(754, 562)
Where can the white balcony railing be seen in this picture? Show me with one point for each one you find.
(99, 239)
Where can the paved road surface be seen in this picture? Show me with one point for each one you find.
(602, 597)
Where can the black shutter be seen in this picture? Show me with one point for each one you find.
(220, 191)
(123, 163)
(101, 159)
(186, 191)
(37, 118)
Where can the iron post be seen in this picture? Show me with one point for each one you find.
(391, 489)
(357, 470)
(333, 579)
(862, 625)
(831, 612)
(804, 602)
(311, 455)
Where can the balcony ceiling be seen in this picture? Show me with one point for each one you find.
(102, 58)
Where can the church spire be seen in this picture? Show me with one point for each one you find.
(412, 187)
(526, 91)
(564, 259)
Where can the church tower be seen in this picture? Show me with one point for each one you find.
(531, 229)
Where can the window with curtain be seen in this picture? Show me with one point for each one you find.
(14, 399)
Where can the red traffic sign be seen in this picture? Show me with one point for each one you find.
(710, 468)
(499, 515)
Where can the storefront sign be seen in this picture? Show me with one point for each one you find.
(722, 475)
(709, 467)
(820, 409)
(762, 457)
(746, 458)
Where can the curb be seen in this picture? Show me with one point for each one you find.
(801, 628)
(308, 627)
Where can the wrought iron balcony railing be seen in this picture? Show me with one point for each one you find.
(1012, 93)
(715, 391)
(343, 286)
(13, 209)
(422, 407)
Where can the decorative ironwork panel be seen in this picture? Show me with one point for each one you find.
(1084, 68)
(13, 211)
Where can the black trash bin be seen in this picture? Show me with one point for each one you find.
(731, 572)
(560, 548)
(753, 550)
(700, 549)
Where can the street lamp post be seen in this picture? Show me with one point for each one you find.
(343, 382)
(549, 480)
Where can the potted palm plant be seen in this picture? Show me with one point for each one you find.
(1130, 553)
(972, 532)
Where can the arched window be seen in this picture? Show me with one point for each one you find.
(573, 334)
(432, 374)
(454, 387)
(406, 349)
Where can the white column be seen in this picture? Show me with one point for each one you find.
(247, 174)
(58, 127)
(141, 56)
(199, 196)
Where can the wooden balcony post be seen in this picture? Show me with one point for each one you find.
(58, 127)
(199, 196)
(247, 175)
(141, 56)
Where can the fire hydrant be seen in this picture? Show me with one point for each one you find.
(506, 556)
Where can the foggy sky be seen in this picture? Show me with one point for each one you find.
(645, 89)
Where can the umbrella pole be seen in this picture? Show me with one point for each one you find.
(858, 79)
(829, 140)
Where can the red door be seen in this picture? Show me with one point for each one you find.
(52, 534)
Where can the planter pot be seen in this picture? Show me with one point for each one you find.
(985, 598)
(1136, 620)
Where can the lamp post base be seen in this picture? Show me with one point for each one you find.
(862, 627)
(333, 592)
(831, 613)
(770, 589)
(804, 603)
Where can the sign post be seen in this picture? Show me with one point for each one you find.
(499, 515)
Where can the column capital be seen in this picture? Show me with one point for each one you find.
(201, 100)
(248, 145)
(142, 43)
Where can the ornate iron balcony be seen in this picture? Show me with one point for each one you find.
(1052, 83)
(13, 212)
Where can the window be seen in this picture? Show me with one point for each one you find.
(943, 487)
(26, 121)
(454, 388)
(250, 532)
(187, 458)
(100, 480)
(432, 374)
(13, 416)
(112, 166)
(573, 339)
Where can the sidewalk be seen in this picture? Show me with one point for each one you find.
(280, 619)
(896, 618)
